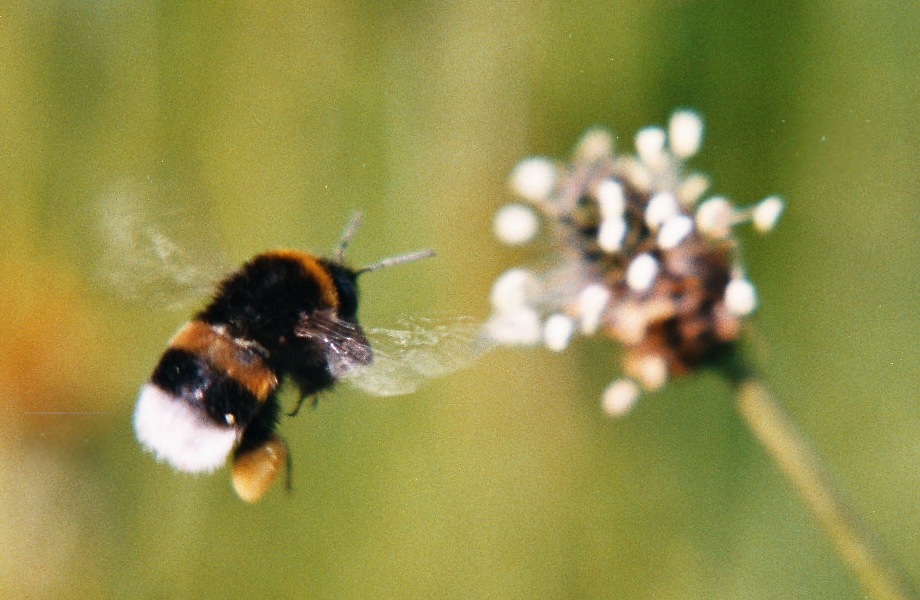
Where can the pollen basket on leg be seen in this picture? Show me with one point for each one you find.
(255, 469)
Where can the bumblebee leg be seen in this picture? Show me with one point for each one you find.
(300, 401)
(288, 467)
(296, 410)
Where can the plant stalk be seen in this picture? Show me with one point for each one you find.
(792, 454)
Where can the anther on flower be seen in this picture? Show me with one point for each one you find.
(533, 178)
(611, 233)
(592, 300)
(610, 199)
(673, 231)
(513, 290)
(766, 213)
(685, 133)
(594, 144)
(642, 256)
(515, 224)
(740, 297)
(715, 217)
(619, 397)
(650, 146)
(515, 328)
(661, 207)
(641, 272)
(557, 331)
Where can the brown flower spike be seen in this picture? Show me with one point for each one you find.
(644, 257)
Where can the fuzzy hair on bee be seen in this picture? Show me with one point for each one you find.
(283, 314)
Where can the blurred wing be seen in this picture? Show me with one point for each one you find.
(153, 258)
(415, 350)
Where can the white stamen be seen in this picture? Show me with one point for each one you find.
(692, 189)
(674, 231)
(558, 331)
(661, 207)
(515, 224)
(641, 272)
(520, 327)
(513, 290)
(650, 146)
(610, 199)
(637, 174)
(619, 397)
(594, 144)
(592, 301)
(740, 297)
(650, 370)
(685, 133)
(715, 217)
(180, 434)
(534, 178)
(611, 233)
(629, 323)
(766, 213)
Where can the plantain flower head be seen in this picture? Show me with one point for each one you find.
(642, 254)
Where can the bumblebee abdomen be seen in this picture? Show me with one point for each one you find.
(241, 360)
(207, 385)
(191, 379)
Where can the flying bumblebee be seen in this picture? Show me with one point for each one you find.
(284, 313)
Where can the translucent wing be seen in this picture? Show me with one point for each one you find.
(151, 257)
(415, 350)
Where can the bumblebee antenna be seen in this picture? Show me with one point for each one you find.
(395, 260)
(347, 234)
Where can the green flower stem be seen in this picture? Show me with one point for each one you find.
(802, 467)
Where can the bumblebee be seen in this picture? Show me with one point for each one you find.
(284, 313)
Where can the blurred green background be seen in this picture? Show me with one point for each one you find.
(254, 125)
